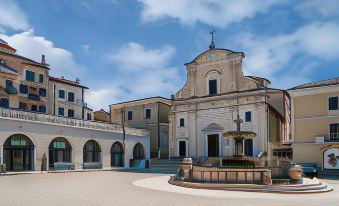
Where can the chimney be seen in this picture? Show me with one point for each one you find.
(77, 80)
(43, 61)
(62, 77)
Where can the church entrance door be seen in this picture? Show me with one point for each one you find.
(213, 145)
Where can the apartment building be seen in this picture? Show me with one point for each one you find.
(315, 123)
(150, 114)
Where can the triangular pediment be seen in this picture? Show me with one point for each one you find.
(213, 127)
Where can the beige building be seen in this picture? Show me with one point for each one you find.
(215, 92)
(315, 115)
(66, 98)
(102, 116)
(44, 123)
(150, 114)
(23, 82)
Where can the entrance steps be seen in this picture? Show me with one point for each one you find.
(165, 164)
(316, 187)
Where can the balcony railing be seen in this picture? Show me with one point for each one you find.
(34, 97)
(11, 90)
(45, 118)
(332, 137)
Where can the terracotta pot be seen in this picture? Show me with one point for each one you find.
(296, 172)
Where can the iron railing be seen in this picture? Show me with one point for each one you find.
(51, 119)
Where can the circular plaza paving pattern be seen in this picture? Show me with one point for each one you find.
(135, 188)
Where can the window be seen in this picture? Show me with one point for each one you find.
(148, 113)
(61, 111)
(70, 113)
(9, 83)
(4, 102)
(41, 78)
(333, 103)
(70, 96)
(23, 106)
(42, 108)
(42, 92)
(248, 116)
(129, 115)
(212, 87)
(61, 94)
(182, 122)
(30, 76)
(286, 153)
(34, 108)
(334, 131)
(23, 89)
(89, 116)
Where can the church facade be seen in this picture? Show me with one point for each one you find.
(216, 91)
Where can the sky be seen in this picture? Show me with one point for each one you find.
(130, 49)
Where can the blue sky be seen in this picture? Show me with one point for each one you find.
(129, 49)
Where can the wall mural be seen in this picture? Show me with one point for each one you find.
(331, 158)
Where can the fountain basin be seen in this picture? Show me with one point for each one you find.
(231, 175)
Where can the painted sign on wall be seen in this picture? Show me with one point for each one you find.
(331, 158)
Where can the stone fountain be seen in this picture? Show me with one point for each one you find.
(241, 172)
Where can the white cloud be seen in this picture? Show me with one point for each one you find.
(271, 56)
(100, 99)
(141, 72)
(218, 13)
(11, 16)
(317, 8)
(61, 61)
(135, 57)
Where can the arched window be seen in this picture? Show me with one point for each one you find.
(138, 152)
(213, 82)
(117, 155)
(92, 151)
(60, 150)
(19, 153)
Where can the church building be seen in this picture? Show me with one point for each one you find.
(216, 91)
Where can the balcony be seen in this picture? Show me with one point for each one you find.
(332, 137)
(11, 90)
(34, 97)
(79, 123)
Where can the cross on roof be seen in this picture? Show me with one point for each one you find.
(212, 45)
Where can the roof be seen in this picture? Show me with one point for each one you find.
(102, 110)
(258, 78)
(66, 81)
(7, 69)
(321, 83)
(5, 45)
(146, 101)
(32, 62)
(242, 53)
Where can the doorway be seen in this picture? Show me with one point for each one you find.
(182, 148)
(248, 147)
(19, 153)
(213, 145)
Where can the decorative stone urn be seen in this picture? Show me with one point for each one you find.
(184, 169)
(267, 180)
(296, 172)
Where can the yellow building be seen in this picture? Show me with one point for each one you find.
(150, 114)
(315, 123)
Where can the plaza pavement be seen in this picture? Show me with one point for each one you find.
(119, 188)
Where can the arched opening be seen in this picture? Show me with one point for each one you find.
(19, 153)
(60, 151)
(138, 152)
(92, 152)
(117, 155)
